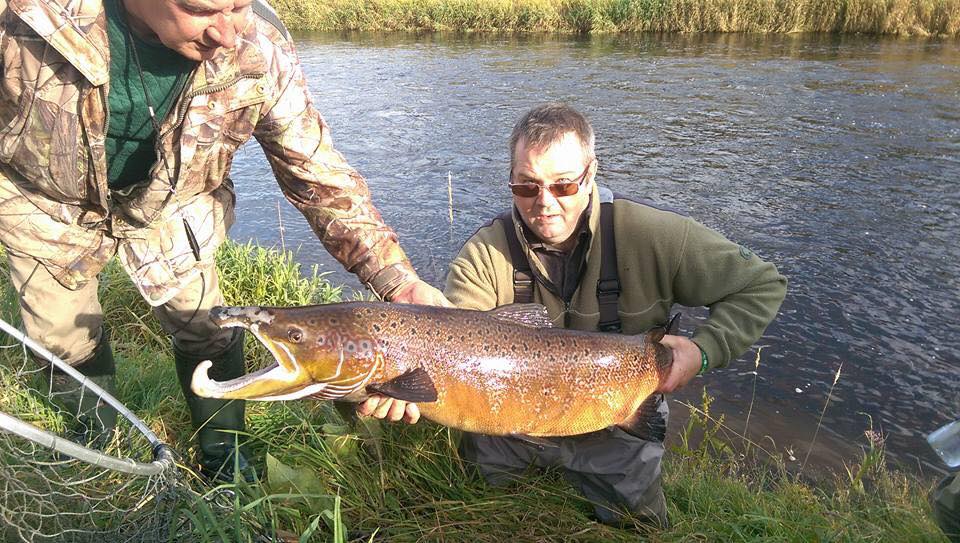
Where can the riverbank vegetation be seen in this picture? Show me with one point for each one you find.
(896, 17)
(324, 478)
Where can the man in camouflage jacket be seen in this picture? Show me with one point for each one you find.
(62, 219)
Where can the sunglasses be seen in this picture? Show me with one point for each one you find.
(558, 189)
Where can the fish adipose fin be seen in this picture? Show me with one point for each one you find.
(411, 386)
(539, 442)
(670, 327)
(646, 422)
(531, 315)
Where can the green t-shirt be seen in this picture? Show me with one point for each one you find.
(131, 138)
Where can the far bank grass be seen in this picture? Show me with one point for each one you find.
(895, 17)
(324, 479)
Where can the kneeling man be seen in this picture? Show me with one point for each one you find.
(551, 248)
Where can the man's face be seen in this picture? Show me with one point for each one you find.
(193, 28)
(553, 219)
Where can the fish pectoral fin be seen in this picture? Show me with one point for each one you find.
(530, 315)
(646, 423)
(540, 442)
(411, 386)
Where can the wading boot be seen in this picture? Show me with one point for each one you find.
(219, 457)
(93, 420)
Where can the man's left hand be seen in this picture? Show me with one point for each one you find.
(686, 362)
(419, 292)
(392, 409)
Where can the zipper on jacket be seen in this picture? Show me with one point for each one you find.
(210, 89)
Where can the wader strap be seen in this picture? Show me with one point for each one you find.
(608, 286)
(522, 275)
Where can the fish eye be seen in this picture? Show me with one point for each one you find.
(295, 335)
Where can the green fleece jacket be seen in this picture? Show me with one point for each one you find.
(663, 258)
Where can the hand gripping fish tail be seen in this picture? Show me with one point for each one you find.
(505, 372)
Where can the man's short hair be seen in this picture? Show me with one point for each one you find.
(547, 124)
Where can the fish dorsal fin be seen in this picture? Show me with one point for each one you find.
(411, 386)
(532, 315)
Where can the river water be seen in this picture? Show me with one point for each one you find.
(837, 158)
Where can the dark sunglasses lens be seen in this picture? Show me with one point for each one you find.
(525, 190)
(564, 189)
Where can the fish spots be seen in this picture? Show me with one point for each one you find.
(321, 340)
(377, 328)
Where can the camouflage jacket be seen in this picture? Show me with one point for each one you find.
(54, 202)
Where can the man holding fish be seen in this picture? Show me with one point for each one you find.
(661, 258)
(119, 120)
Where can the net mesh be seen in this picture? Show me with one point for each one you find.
(123, 487)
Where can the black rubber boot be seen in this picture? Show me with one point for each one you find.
(93, 420)
(219, 457)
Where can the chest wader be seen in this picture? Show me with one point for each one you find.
(216, 422)
(95, 420)
(608, 286)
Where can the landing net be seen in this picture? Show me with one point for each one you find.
(121, 488)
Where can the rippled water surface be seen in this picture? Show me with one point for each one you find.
(837, 158)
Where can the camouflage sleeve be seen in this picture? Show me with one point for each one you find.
(317, 180)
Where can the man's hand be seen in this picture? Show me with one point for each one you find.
(419, 292)
(686, 362)
(392, 409)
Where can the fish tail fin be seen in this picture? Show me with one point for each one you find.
(647, 423)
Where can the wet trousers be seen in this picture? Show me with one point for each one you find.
(614, 470)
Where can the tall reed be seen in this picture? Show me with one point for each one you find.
(896, 17)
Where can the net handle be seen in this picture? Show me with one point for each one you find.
(163, 456)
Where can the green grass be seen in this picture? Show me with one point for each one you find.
(325, 480)
(896, 17)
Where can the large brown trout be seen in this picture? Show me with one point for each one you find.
(502, 372)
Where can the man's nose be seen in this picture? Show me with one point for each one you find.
(545, 198)
(222, 32)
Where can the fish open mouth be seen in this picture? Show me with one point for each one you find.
(285, 379)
